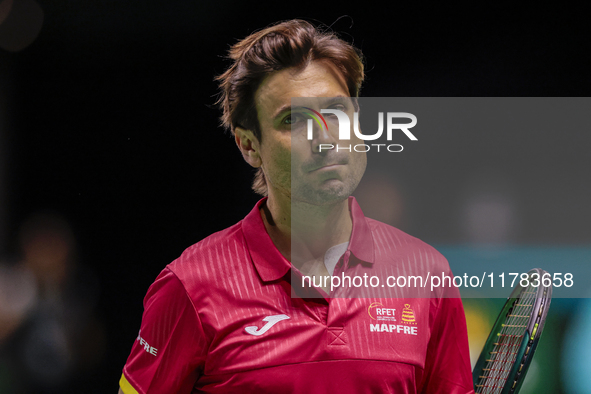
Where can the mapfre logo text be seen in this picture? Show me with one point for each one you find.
(378, 312)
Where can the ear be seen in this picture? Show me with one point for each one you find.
(248, 145)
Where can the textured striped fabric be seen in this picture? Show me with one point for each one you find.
(221, 319)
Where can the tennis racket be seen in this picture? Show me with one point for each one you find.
(510, 347)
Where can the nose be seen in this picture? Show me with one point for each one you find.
(323, 139)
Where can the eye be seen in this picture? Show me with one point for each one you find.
(337, 106)
(292, 118)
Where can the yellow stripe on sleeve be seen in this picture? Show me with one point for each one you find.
(126, 387)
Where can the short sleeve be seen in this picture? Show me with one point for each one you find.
(447, 367)
(169, 351)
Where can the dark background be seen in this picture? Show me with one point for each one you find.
(109, 119)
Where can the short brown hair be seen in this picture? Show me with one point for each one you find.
(293, 43)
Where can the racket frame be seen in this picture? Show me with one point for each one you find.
(529, 343)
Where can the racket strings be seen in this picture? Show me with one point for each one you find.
(505, 350)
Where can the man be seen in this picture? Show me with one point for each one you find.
(224, 317)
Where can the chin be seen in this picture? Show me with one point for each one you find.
(327, 194)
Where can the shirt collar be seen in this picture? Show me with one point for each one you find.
(361, 244)
(270, 263)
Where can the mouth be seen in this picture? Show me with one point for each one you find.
(328, 166)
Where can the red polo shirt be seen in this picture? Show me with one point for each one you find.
(221, 319)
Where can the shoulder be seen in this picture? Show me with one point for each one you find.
(212, 261)
(390, 241)
(210, 246)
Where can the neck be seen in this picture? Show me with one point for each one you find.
(303, 232)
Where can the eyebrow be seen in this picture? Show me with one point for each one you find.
(329, 101)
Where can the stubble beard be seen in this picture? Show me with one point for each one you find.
(330, 192)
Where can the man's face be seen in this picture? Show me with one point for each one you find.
(293, 165)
